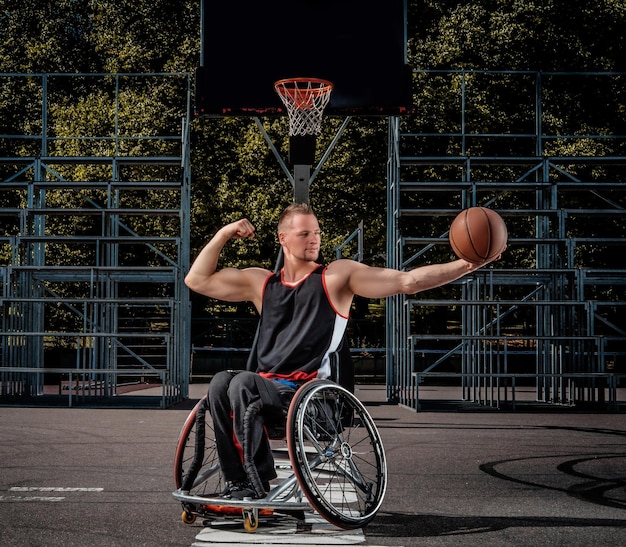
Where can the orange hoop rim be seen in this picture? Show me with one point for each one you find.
(305, 100)
(289, 87)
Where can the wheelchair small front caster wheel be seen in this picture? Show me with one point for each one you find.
(188, 517)
(250, 520)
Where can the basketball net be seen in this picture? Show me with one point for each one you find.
(305, 100)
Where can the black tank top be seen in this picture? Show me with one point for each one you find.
(299, 328)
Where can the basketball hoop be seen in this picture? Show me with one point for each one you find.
(305, 100)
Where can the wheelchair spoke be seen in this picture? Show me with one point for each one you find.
(205, 474)
(310, 436)
(337, 453)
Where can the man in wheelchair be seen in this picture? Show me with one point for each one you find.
(304, 310)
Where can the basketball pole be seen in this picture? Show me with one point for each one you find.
(301, 183)
(302, 157)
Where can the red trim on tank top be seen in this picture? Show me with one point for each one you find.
(332, 305)
(267, 280)
(300, 281)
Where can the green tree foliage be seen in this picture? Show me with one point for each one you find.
(99, 36)
(522, 35)
(542, 35)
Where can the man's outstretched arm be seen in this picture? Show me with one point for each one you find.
(346, 278)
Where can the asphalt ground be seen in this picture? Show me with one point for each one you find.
(104, 477)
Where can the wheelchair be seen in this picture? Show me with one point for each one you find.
(330, 461)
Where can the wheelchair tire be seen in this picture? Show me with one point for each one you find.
(336, 453)
(196, 465)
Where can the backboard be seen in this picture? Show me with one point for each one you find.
(358, 45)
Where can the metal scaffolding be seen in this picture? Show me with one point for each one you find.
(95, 245)
(553, 318)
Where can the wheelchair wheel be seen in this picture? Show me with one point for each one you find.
(336, 453)
(196, 465)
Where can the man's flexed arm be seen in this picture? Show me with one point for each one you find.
(228, 284)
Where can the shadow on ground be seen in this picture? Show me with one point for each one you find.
(402, 525)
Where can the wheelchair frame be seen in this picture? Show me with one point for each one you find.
(334, 452)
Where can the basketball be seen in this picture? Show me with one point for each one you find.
(478, 235)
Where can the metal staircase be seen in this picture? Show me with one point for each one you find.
(93, 297)
(550, 314)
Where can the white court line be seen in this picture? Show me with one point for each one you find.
(322, 534)
(32, 498)
(53, 489)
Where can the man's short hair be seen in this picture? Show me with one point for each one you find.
(293, 210)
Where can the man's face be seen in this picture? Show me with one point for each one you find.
(301, 237)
